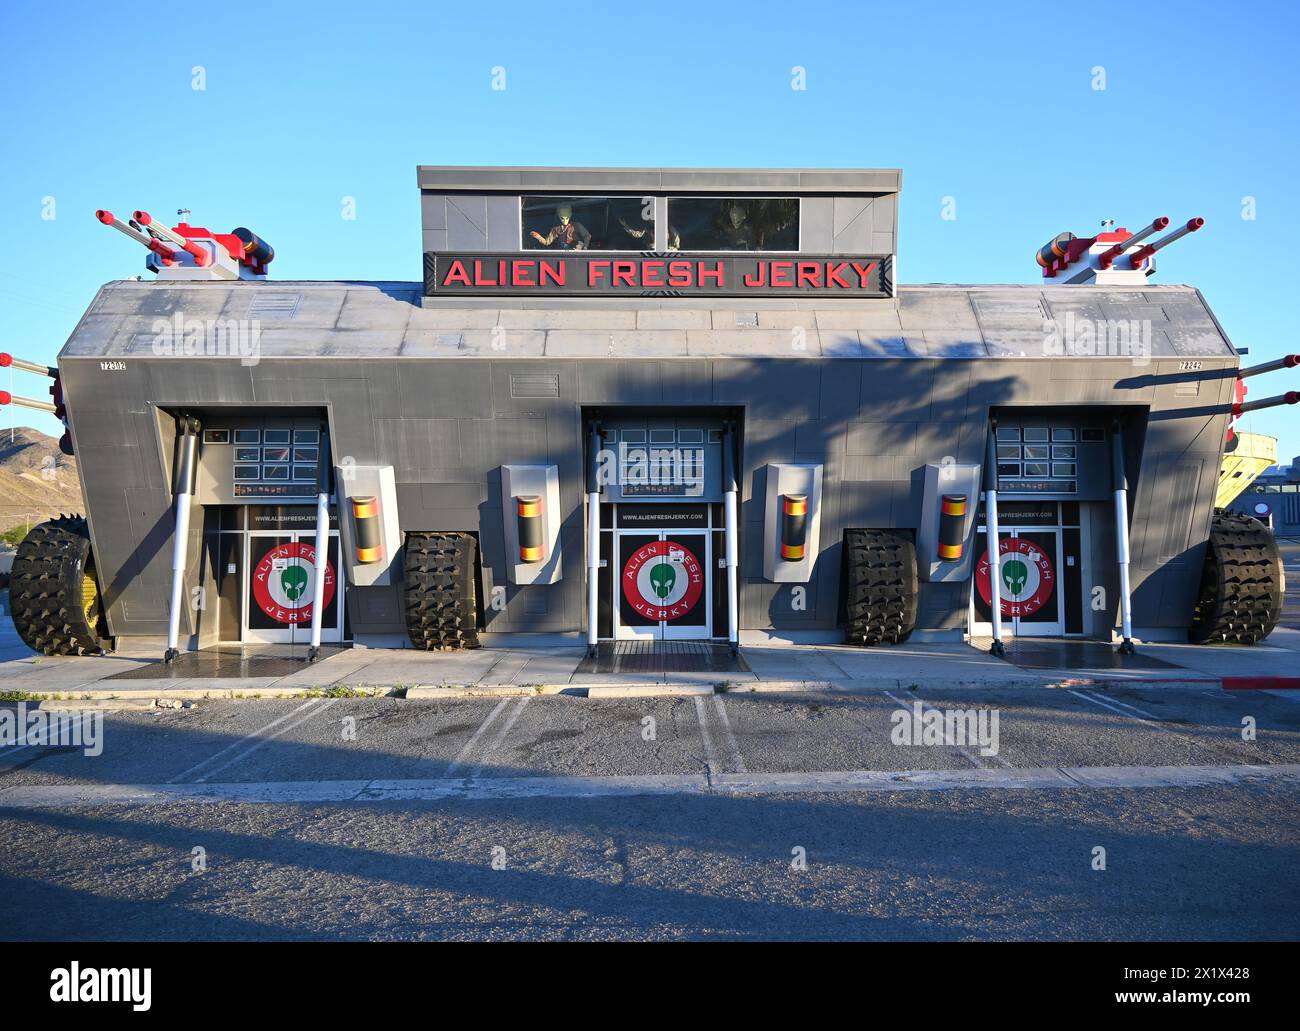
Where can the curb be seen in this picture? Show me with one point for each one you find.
(1261, 683)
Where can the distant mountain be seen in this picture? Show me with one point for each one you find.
(37, 480)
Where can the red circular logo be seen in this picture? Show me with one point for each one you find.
(284, 583)
(1027, 578)
(663, 580)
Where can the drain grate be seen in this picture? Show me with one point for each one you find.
(1083, 655)
(662, 657)
(221, 665)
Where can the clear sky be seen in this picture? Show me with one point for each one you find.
(992, 105)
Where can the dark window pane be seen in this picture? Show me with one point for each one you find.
(588, 223)
(735, 223)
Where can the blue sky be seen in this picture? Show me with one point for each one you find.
(992, 105)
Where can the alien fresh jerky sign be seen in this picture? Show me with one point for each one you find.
(284, 583)
(652, 274)
(663, 580)
(1028, 579)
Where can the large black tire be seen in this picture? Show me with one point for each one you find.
(881, 585)
(441, 609)
(53, 591)
(1242, 583)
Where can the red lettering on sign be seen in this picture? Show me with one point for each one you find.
(655, 268)
(480, 278)
(625, 273)
(456, 274)
(679, 273)
(758, 278)
(834, 275)
(783, 269)
(520, 273)
(717, 273)
(864, 272)
(810, 274)
(553, 271)
(595, 270)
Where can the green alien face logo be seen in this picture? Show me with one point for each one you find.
(662, 578)
(1014, 575)
(293, 580)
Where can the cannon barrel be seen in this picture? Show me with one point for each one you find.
(256, 250)
(1289, 361)
(8, 361)
(1107, 258)
(7, 398)
(1142, 253)
(157, 246)
(1289, 398)
(201, 257)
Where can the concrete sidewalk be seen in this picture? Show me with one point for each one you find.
(524, 670)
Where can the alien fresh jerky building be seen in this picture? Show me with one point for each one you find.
(640, 404)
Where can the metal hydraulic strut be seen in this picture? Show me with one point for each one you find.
(1119, 484)
(730, 488)
(994, 551)
(593, 539)
(184, 472)
(324, 487)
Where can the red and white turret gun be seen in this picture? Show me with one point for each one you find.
(1113, 257)
(53, 407)
(193, 252)
(1240, 406)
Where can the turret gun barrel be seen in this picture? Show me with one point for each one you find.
(1289, 361)
(1107, 258)
(1142, 253)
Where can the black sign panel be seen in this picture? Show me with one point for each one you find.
(287, 517)
(1025, 513)
(630, 516)
(652, 274)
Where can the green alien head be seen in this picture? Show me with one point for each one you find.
(293, 580)
(1014, 574)
(662, 578)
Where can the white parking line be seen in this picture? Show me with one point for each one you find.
(242, 741)
(1115, 705)
(501, 735)
(737, 762)
(469, 745)
(265, 741)
(710, 754)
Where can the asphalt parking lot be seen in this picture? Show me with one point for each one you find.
(732, 816)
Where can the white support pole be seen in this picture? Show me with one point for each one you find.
(993, 545)
(730, 487)
(318, 583)
(733, 564)
(183, 475)
(593, 570)
(1120, 483)
(593, 538)
(324, 468)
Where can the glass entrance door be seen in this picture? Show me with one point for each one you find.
(663, 591)
(1032, 602)
(281, 589)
